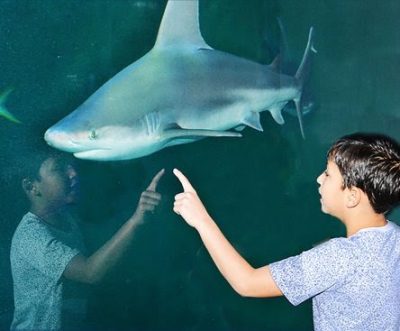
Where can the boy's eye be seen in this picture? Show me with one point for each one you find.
(56, 167)
(326, 173)
(57, 170)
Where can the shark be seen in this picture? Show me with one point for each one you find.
(179, 92)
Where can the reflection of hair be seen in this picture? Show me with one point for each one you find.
(29, 164)
(370, 162)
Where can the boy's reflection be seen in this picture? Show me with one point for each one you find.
(48, 259)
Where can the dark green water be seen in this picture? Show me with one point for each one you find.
(261, 188)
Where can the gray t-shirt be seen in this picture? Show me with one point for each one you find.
(354, 282)
(43, 299)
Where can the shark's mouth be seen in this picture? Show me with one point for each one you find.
(74, 147)
(60, 140)
(94, 154)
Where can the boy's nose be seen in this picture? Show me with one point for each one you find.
(320, 179)
(71, 172)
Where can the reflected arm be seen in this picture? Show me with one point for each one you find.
(92, 269)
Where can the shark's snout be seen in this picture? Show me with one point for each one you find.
(54, 137)
(49, 136)
(60, 140)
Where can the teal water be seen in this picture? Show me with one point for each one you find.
(261, 188)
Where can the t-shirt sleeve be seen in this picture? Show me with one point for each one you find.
(314, 271)
(39, 246)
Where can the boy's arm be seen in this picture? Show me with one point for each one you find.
(92, 269)
(246, 280)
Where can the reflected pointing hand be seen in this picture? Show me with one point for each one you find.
(188, 204)
(149, 199)
(153, 185)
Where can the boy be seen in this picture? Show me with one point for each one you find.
(354, 281)
(48, 258)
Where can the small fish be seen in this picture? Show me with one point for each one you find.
(3, 110)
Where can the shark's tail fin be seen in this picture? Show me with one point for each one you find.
(303, 73)
(3, 110)
(304, 67)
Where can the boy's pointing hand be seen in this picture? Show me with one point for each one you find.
(188, 204)
(187, 187)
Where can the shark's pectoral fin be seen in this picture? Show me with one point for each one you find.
(277, 115)
(197, 134)
(183, 136)
(253, 120)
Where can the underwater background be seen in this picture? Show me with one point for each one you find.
(261, 188)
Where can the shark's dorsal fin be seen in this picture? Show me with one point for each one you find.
(276, 63)
(180, 26)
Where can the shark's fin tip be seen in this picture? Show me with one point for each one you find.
(253, 120)
(180, 26)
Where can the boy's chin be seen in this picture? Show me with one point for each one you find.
(323, 209)
(327, 212)
(72, 199)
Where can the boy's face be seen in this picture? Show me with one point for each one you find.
(331, 190)
(58, 182)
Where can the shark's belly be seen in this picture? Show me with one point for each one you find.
(227, 109)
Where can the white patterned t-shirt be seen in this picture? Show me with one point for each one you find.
(43, 298)
(354, 282)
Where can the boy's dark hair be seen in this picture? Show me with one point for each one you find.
(23, 164)
(370, 162)
(27, 163)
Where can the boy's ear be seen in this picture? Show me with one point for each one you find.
(29, 187)
(353, 197)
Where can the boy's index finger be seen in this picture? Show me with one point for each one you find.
(154, 182)
(187, 187)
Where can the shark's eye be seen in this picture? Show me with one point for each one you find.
(92, 134)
